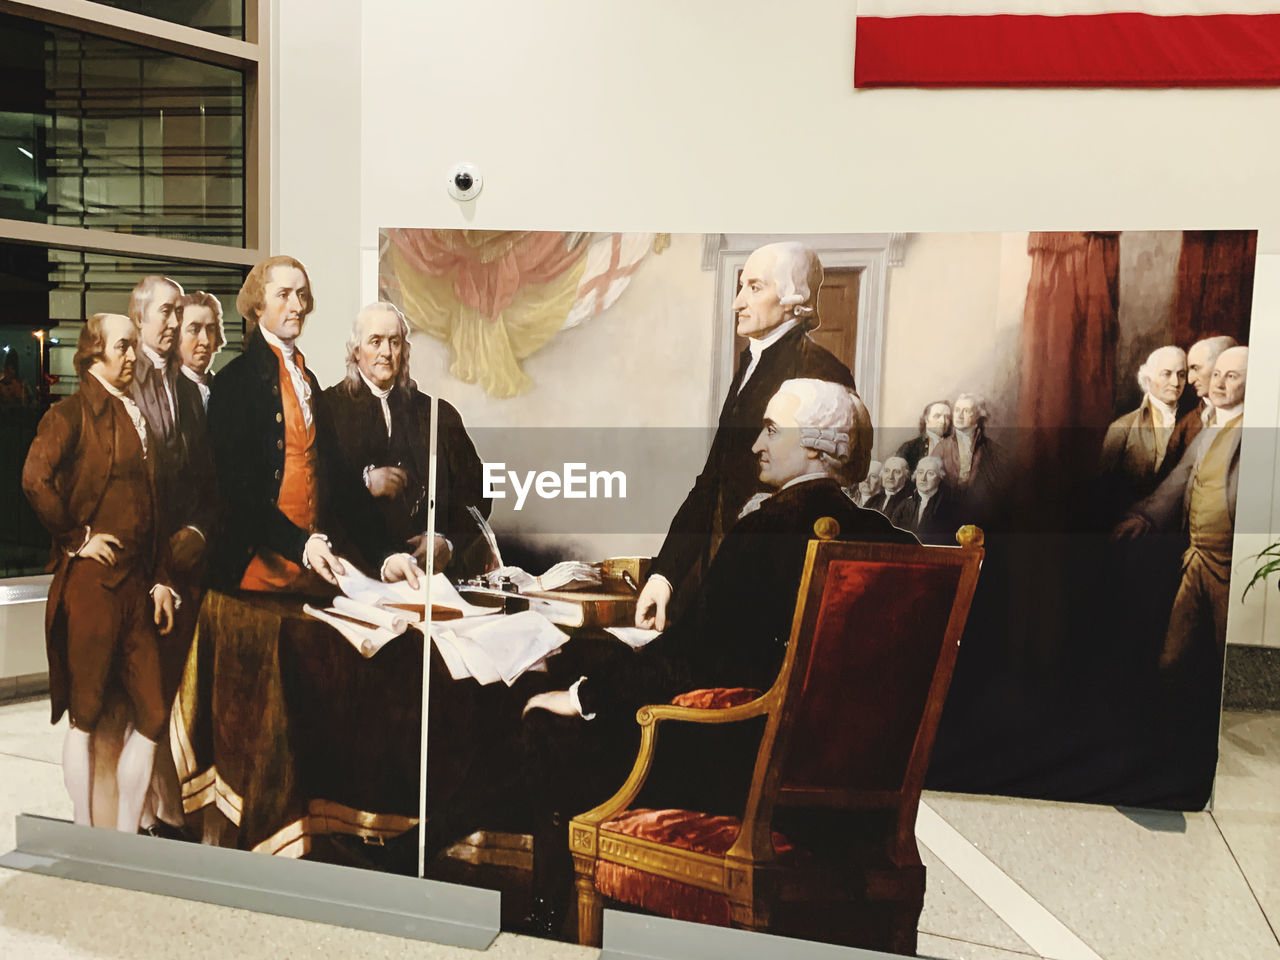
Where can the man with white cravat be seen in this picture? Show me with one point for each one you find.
(1134, 449)
(200, 337)
(1200, 496)
(382, 423)
(276, 454)
(776, 307)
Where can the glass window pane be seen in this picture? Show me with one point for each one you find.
(47, 293)
(108, 136)
(225, 17)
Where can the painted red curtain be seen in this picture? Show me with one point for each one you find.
(1069, 330)
(489, 267)
(1215, 285)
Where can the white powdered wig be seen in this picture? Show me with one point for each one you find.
(357, 333)
(979, 403)
(797, 273)
(834, 421)
(1153, 360)
(1215, 346)
(938, 468)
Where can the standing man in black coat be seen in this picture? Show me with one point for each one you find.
(935, 427)
(775, 308)
(155, 307)
(185, 495)
(383, 427)
(277, 457)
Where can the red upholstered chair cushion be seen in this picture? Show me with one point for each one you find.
(686, 830)
(716, 698)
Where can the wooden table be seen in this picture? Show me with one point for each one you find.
(289, 732)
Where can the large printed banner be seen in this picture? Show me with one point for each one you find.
(717, 550)
(1067, 43)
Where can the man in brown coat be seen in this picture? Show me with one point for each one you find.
(89, 478)
(1201, 359)
(1136, 444)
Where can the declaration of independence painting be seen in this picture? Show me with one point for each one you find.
(727, 545)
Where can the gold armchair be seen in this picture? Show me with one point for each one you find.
(824, 848)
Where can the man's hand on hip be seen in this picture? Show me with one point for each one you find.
(101, 547)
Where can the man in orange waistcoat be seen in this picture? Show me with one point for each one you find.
(275, 455)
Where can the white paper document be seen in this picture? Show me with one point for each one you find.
(444, 594)
(394, 620)
(495, 647)
(633, 637)
(367, 640)
(374, 592)
(482, 644)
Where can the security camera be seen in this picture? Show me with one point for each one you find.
(465, 181)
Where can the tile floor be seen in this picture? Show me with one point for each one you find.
(1007, 878)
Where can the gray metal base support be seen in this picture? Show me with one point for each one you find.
(631, 936)
(345, 896)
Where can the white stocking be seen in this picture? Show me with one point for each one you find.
(133, 775)
(148, 809)
(77, 773)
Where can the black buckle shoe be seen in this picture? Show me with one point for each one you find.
(164, 831)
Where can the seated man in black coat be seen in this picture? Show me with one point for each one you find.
(383, 427)
(928, 511)
(895, 484)
(579, 742)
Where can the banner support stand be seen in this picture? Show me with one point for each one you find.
(307, 890)
(631, 936)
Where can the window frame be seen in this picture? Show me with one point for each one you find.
(251, 55)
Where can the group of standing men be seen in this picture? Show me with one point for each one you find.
(1171, 474)
(947, 475)
(158, 478)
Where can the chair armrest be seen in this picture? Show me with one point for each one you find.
(656, 713)
(716, 698)
(649, 717)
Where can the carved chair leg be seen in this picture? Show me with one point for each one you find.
(590, 911)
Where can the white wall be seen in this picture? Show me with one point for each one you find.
(666, 116)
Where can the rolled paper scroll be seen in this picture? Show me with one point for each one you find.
(366, 613)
